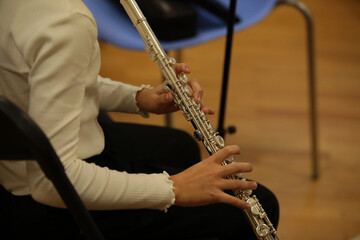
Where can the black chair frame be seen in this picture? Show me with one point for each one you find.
(22, 139)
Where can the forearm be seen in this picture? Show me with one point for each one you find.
(118, 96)
(105, 189)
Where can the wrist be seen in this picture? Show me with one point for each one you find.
(140, 101)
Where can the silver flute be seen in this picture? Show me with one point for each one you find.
(177, 85)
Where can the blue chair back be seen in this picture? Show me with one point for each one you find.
(115, 27)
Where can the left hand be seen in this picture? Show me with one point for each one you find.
(157, 100)
(205, 182)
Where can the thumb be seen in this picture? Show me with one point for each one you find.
(160, 89)
(167, 97)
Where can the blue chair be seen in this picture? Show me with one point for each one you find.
(113, 24)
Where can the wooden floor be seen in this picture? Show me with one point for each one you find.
(268, 104)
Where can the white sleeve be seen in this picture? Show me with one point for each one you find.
(118, 96)
(59, 51)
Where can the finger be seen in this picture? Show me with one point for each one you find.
(234, 201)
(236, 184)
(167, 98)
(207, 110)
(166, 103)
(227, 151)
(197, 90)
(235, 168)
(181, 67)
(160, 88)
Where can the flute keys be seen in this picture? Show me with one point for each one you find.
(255, 209)
(262, 230)
(198, 135)
(220, 142)
(168, 87)
(230, 159)
(238, 176)
(172, 61)
(187, 91)
(183, 78)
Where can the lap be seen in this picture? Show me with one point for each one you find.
(219, 221)
(142, 148)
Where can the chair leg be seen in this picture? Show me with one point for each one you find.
(228, 47)
(168, 120)
(312, 83)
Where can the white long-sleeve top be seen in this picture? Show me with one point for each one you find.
(49, 65)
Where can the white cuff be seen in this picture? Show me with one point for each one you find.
(172, 201)
(142, 113)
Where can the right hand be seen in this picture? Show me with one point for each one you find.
(204, 183)
(157, 100)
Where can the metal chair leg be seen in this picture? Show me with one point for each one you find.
(312, 83)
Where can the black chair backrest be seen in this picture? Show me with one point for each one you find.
(22, 139)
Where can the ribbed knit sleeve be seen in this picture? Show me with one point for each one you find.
(118, 96)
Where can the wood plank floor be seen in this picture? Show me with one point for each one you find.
(268, 103)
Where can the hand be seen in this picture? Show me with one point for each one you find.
(157, 100)
(205, 182)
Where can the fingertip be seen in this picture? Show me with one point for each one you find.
(182, 67)
(211, 111)
(207, 110)
(235, 149)
(240, 204)
(198, 99)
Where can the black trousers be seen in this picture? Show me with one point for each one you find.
(146, 149)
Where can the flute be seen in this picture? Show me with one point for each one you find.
(261, 224)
